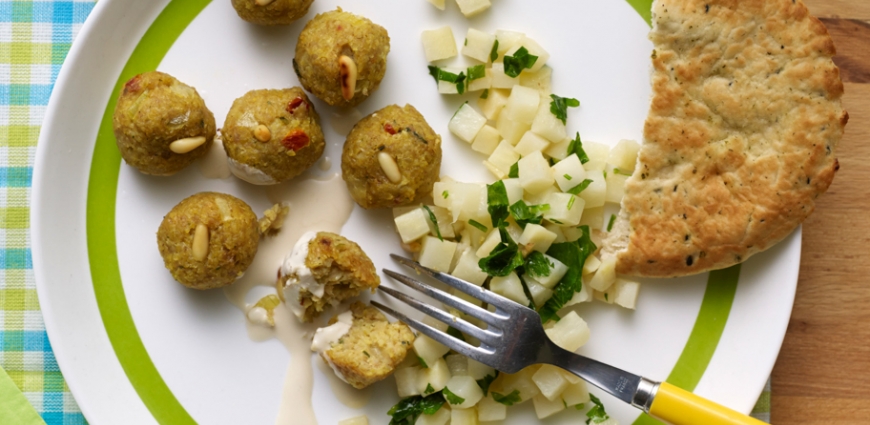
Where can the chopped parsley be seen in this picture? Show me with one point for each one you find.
(618, 171)
(537, 264)
(567, 176)
(497, 203)
(580, 187)
(573, 255)
(485, 94)
(441, 75)
(504, 258)
(610, 223)
(576, 147)
(429, 389)
(455, 333)
(434, 221)
(477, 225)
(422, 362)
(559, 107)
(514, 65)
(507, 400)
(409, 409)
(525, 214)
(452, 398)
(476, 72)
(571, 202)
(366, 353)
(596, 414)
(485, 382)
(493, 54)
(515, 170)
(445, 194)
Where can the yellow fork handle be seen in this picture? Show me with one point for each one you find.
(680, 407)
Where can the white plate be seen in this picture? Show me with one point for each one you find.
(186, 355)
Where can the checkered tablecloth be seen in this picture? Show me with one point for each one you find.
(35, 37)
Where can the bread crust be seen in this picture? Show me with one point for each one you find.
(740, 138)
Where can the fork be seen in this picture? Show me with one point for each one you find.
(515, 338)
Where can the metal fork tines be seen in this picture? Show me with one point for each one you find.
(513, 339)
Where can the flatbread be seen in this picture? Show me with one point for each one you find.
(740, 139)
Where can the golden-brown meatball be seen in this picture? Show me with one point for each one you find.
(271, 12)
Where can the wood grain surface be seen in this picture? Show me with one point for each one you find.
(822, 375)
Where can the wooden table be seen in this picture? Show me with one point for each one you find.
(822, 375)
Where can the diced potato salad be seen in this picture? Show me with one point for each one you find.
(468, 8)
(531, 236)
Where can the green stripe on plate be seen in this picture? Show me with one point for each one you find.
(102, 253)
(644, 8)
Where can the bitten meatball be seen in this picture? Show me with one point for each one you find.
(161, 125)
(271, 12)
(391, 158)
(271, 136)
(341, 58)
(208, 240)
(323, 270)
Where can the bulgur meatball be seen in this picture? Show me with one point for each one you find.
(323, 270)
(271, 12)
(208, 240)
(271, 136)
(161, 124)
(391, 158)
(341, 58)
(362, 346)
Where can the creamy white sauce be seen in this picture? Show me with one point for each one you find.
(343, 120)
(326, 336)
(299, 276)
(249, 174)
(214, 164)
(259, 316)
(325, 163)
(347, 395)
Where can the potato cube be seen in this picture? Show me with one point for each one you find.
(545, 408)
(540, 197)
(466, 123)
(500, 80)
(571, 332)
(508, 40)
(429, 350)
(520, 381)
(605, 275)
(478, 370)
(437, 254)
(441, 192)
(565, 209)
(584, 295)
(358, 420)
(468, 269)
(509, 287)
(440, 417)
(470, 8)
(597, 154)
(495, 171)
(595, 193)
(538, 237)
(412, 225)
(464, 416)
(540, 293)
(531, 142)
(458, 365)
(436, 376)
(482, 83)
(604, 296)
(535, 49)
(514, 190)
(466, 388)
(568, 173)
(551, 381)
(444, 219)
(615, 187)
(491, 410)
(493, 104)
(446, 87)
(478, 45)
(406, 381)
(439, 44)
(465, 200)
(576, 393)
(625, 292)
(593, 217)
(557, 229)
(486, 140)
(535, 175)
(547, 125)
(540, 80)
(557, 272)
(492, 240)
(591, 265)
(510, 129)
(624, 155)
(504, 156)
(523, 104)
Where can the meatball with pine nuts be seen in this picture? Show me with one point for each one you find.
(271, 12)
(161, 125)
(391, 158)
(208, 240)
(271, 136)
(341, 58)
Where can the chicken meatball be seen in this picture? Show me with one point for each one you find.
(161, 125)
(271, 12)
(208, 240)
(341, 58)
(271, 136)
(391, 158)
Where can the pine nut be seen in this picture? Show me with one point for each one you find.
(200, 242)
(187, 144)
(263, 2)
(262, 133)
(348, 72)
(391, 169)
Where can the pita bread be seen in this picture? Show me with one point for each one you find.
(740, 139)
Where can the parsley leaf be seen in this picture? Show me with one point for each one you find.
(596, 414)
(559, 107)
(485, 94)
(477, 225)
(476, 72)
(422, 362)
(610, 223)
(445, 194)
(429, 389)
(493, 54)
(525, 214)
(455, 333)
(514, 65)
(434, 71)
(580, 187)
(537, 264)
(573, 255)
(486, 382)
(507, 400)
(515, 170)
(504, 258)
(497, 203)
(576, 147)
(409, 409)
(452, 398)
(442, 75)
(434, 221)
